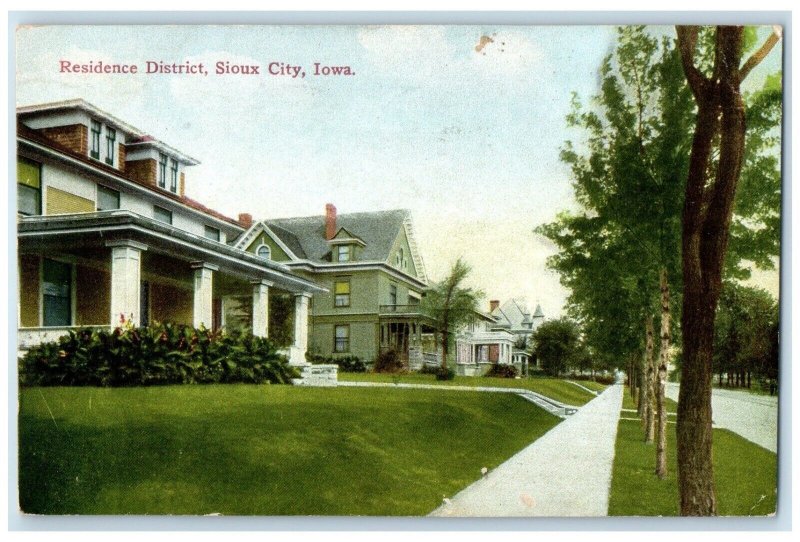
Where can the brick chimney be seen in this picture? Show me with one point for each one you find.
(245, 220)
(493, 304)
(330, 220)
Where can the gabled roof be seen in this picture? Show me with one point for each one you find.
(378, 230)
(343, 236)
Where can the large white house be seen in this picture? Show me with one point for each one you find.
(106, 232)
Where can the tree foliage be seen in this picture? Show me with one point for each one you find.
(557, 345)
(451, 304)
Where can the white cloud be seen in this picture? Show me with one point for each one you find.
(410, 51)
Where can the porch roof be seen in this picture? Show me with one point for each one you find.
(96, 229)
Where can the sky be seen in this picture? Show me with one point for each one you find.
(467, 137)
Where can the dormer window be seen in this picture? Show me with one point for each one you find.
(173, 178)
(162, 170)
(94, 151)
(111, 140)
(264, 252)
(344, 253)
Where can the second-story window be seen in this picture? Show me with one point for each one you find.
(173, 177)
(392, 294)
(162, 170)
(162, 215)
(212, 233)
(341, 290)
(111, 143)
(107, 199)
(29, 187)
(344, 253)
(94, 151)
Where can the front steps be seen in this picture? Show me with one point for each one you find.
(317, 375)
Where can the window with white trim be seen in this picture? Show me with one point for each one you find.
(94, 149)
(341, 338)
(263, 251)
(111, 143)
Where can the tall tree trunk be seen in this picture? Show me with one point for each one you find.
(632, 380)
(640, 385)
(707, 210)
(661, 387)
(649, 421)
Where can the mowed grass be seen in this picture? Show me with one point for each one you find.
(554, 388)
(627, 403)
(596, 386)
(263, 450)
(745, 475)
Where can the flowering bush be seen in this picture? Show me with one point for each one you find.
(159, 354)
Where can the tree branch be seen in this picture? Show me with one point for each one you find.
(762, 52)
(687, 42)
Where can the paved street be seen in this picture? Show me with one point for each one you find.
(755, 417)
(566, 472)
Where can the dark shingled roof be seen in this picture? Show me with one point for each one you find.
(305, 236)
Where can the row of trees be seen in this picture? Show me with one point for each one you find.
(665, 217)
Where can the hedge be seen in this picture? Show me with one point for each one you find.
(160, 354)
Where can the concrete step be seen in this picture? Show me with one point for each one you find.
(317, 375)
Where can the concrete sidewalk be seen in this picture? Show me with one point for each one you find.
(566, 472)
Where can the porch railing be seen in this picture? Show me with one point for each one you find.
(401, 310)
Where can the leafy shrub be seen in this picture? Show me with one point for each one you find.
(445, 373)
(388, 362)
(502, 371)
(347, 364)
(161, 354)
(429, 369)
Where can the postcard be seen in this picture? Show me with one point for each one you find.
(434, 270)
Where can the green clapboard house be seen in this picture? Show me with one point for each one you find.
(374, 275)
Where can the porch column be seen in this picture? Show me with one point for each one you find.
(203, 311)
(126, 275)
(301, 324)
(261, 307)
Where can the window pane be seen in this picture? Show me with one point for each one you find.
(56, 294)
(342, 288)
(107, 199)
(344, 253)
(95, 150)
(174, 177)
(28, 200)
(342, 332)
(162, 170)
(29, 173)
(161, 214)
(111, 136)
(264, 252)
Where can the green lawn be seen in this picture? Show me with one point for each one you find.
(266, 450)
(553, 388)
(745, 476)
(627, 402)
(596, 386)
